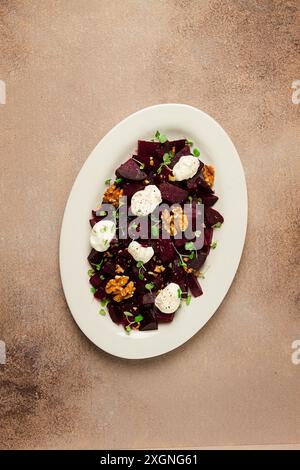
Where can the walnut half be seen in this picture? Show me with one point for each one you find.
(120, 288)
(112, 195)
(208, 173)
(174, 221)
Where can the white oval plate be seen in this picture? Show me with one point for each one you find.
(174, 120)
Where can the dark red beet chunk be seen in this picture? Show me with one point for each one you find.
(209, 200)
(130, 170)
(148, 298)
(95, 220)
(172, 193)
(100, 294)
(130, 188)
(178, 144)
(212, 217)
(194, 285)
(95, 257)
(150, 149)
(166, 250)
(150, 321)
(198, 261)
(95, 280)
(109, 268)
(164, 317)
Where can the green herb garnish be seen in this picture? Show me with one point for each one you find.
(142, 165)
(196, 152)
(161, 137)
(188, 299)
(104, 302)
(217, 225)
(167, 158)
(179, 293)
(91, 272)
(108, 181)
(189, 246)
(138, 318)
(213, 245)
(102, 312)
(155, 230)
(149, 286)
(119, 180)
(189, 142)
(128, 314)
(93, 290)
(102, 277)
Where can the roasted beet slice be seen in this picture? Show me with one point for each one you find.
(178, 144)
(95, 257)
(194, 285)
(129, 189)
(164, 317)
(148, 298)
(208, 235)
(95, 280)
(130, 170)
(209, 200)
(166, 250)
(149, 322)
(193, 183)
(150, 149)
(197, 262)
(156, 149)
(116, 313)
(109, 268)
(172, 193)
(100, 293)
(212, 217)
(94, 220)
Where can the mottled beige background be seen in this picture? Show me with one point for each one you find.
(73, 69)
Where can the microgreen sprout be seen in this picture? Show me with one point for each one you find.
(217, 225)
(142, 165)
(162, 138)
(149, 286)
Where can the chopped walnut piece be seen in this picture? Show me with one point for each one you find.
(188, 270)
(120, 288)
(112, 195)
(208, 172)
(159, 269)
(119, 269)
(174, 221)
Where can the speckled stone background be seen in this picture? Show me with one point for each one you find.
(73, 69)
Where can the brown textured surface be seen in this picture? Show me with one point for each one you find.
(73, 69)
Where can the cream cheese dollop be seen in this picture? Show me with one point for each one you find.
(186, 167)
(144, 202)
(102, 234)
(168, 300)
(139, 252)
